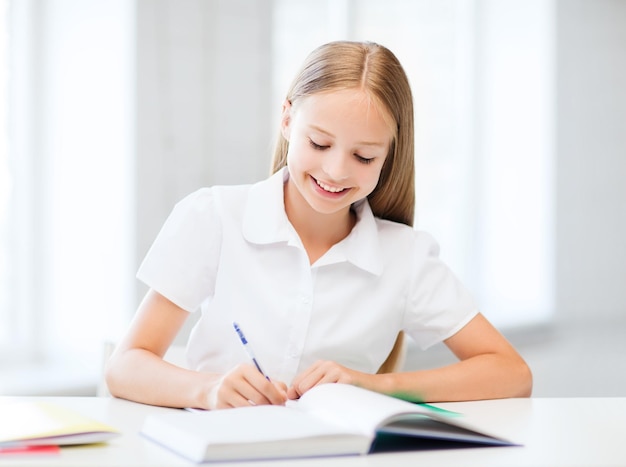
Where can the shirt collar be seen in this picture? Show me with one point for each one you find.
(265, 222)
(362, 246)
(264, 219)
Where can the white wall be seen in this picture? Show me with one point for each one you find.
(203, 100)
(591, 160)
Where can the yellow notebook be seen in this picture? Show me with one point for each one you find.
(35, 423)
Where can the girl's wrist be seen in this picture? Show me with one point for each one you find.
(205, 391)
(384, 383)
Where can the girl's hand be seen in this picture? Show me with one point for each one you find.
(244, 386)
(322, 372)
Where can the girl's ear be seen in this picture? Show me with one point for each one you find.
(285, 120)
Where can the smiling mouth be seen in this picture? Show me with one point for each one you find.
(328, 188)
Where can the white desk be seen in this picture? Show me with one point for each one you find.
(555, 432)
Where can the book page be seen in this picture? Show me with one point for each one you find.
(353, 407)
(370, 412)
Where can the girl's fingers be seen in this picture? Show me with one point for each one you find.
(319, 373)
(245, 386)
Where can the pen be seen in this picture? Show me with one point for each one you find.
(246, 346)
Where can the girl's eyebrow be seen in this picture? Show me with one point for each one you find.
(361, 143)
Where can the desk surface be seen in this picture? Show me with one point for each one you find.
(554, 432)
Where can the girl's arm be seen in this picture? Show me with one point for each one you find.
(137, 371)
(489, 368)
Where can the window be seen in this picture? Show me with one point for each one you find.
(481, 73)
(67, 277)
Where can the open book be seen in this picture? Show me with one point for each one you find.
(26, 424)
(328, 420)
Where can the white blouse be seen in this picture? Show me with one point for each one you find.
(231, 252)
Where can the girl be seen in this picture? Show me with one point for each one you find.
(318, 264)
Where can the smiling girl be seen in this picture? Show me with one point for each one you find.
(319, 264)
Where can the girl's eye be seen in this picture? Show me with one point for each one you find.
(316, 146)
(363, 160)
(360, 159)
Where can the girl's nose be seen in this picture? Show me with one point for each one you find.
(335, 165)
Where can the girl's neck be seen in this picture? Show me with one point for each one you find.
(318, 232)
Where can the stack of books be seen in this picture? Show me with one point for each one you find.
(41, 428)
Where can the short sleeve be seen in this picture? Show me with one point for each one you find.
(438, 304)
(182, 262)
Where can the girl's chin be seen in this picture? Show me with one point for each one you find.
(328, 207)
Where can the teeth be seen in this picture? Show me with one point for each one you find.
(329, 188)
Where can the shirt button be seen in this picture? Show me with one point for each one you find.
(305, 299)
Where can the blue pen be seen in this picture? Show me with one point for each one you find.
(246, 346)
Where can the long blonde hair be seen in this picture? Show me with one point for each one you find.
(375, 69)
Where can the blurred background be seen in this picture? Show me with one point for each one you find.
(113, 110)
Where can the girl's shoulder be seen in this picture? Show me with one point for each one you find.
(232, 203)
(211, 197)
(405, 237)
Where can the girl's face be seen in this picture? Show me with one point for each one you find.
(338, 142)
